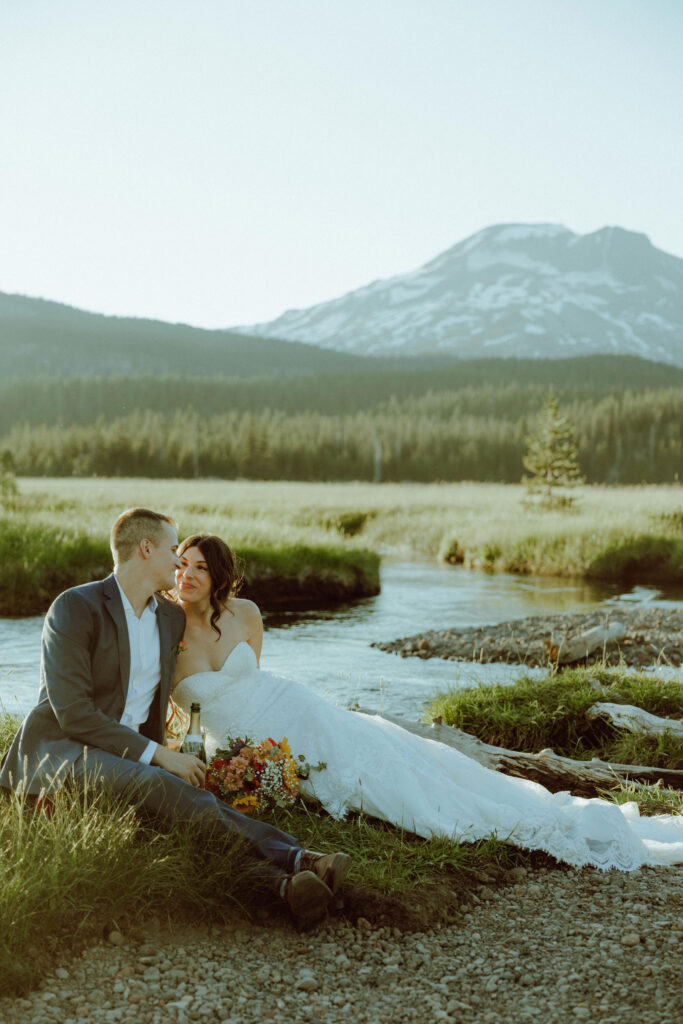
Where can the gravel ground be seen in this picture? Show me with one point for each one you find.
(549, 946)
(655, 636)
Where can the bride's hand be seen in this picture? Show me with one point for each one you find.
(185, 766)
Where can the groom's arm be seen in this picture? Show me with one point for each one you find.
(68, 638)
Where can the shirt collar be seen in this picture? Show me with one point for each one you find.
(128, 607)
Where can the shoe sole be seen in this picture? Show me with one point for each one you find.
(336, 872)
(308, 899)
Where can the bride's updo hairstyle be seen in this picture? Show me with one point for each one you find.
(226, 578)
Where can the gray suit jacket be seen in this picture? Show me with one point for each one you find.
(85, 664)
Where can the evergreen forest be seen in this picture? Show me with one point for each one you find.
(420, 420)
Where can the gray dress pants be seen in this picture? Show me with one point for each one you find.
(175, 800)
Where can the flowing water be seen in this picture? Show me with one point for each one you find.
(329, 651)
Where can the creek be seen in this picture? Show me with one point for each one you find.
(329, 650)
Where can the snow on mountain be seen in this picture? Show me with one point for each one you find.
(526, 290)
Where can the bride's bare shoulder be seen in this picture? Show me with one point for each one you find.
(243, 609)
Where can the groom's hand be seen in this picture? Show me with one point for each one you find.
(185, 766)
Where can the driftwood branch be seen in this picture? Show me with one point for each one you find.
(627, 716)
(583, 778)
(564, 651)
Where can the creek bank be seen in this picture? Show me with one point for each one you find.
(308, 578)
(40, 562)
(654, 636)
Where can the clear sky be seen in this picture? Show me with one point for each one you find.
(219, 161)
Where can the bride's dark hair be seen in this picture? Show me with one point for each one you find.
(226, 579)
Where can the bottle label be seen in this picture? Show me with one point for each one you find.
(195, 745)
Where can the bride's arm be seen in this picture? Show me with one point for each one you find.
(254, 624)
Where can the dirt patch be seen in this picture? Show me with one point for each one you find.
(439, 901)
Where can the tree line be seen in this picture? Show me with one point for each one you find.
(507, 388)
(624, 437)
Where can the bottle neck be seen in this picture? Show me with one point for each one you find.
(195, 728)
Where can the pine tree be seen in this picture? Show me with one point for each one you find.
(552, 457)
(8, 484)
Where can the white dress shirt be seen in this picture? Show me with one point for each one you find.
(145, 666)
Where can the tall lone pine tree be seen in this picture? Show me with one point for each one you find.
(8, 483)
(552, 458)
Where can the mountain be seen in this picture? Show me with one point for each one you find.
(524, 290)
(47, 339)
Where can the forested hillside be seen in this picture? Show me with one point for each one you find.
(40, 338)
(423, 420)
(624, 436)
(507, 388)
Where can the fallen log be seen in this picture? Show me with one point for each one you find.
(627, 716)
(583, 778)
(564, 651)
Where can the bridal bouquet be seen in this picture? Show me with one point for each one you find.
(254, 776)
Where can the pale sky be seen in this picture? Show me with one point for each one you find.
(219, 161)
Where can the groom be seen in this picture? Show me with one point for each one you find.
(107, 662)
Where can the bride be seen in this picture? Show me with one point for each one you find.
(373, 765)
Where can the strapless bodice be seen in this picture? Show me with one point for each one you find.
(239, 663)
(218, 690)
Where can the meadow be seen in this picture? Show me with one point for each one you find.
(610, 533)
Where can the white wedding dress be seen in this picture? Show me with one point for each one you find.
(424, 786)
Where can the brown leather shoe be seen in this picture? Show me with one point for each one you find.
(307, 897)
(331, 868)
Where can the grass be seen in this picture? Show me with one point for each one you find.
(41, 560)
(64, 875)
(612, 533)
(533, 714)
(657, 799)
(643, 556)
(307, 576)
(8, 727)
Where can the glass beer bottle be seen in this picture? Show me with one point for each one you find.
(194, 741)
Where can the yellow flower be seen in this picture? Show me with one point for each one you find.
(246, 804)
(284, 745)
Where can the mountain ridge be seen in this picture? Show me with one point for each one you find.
(44, 338)
(525, 290)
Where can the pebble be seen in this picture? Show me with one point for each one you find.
(554, 945)
(654, 635)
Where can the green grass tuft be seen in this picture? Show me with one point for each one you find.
(8, 727)
(639, 558)
(657, 799)
(536, 713)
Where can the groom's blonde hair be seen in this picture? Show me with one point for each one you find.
(132, 526)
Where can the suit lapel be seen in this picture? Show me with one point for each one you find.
(166, 654)
(114, 606)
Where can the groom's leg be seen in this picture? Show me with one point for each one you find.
(169, 797)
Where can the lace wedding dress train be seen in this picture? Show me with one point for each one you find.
(426, 787)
